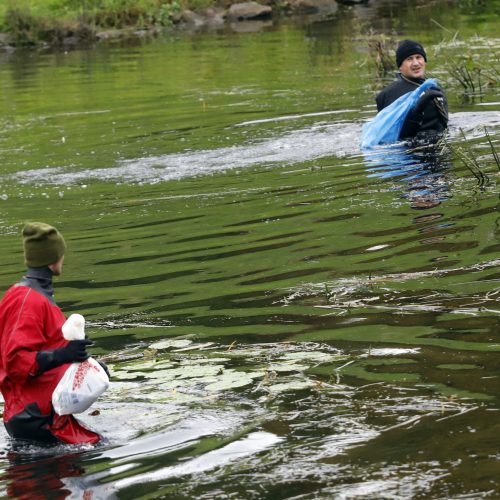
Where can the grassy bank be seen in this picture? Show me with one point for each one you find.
(29, 22)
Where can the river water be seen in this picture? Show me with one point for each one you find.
(284, 315)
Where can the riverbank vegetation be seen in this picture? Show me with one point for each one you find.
(69, 22)
(27, 22)
(31, 22)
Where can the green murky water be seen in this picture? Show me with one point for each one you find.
(285, 316)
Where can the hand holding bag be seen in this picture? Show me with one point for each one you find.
(82, 383)
(79, 388)
(387, 124)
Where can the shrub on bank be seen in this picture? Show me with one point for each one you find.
(29, 22)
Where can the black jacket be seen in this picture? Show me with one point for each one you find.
(434, 118)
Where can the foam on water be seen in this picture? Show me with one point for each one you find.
(294, 147)
(320, 140)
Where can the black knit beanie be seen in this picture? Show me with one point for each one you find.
(408, 48)
(43, 244)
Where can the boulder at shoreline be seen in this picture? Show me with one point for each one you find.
(245, 11)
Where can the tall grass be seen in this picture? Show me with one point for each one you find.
(474, 76)
(476, 164)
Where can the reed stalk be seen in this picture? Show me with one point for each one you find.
(493, 149)
(468, 158)
(475, 77)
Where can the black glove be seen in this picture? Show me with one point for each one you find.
(427, 97)
(74, 352)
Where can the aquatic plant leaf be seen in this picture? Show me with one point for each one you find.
(393, 351)
(143, 365)
(199, 371)
(119, 391)
(161, 374)
(311, 356)
(456, 366)
(294, 385)
(231, 380)
(171, 344)
(197, 347)
(185, 372)
(287, 366)
(245, 353)
(199, 360)
(125, 375)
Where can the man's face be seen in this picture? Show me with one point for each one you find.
(413, 66)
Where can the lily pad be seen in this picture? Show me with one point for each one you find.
(393, 351)
(124, 375)
(171, 344)
(456, 366)
(287, 366)
(185, 372)
(245, 353)
(196, 373)
(199, 360)
(294, 385)
(231, 379)
(143, 365)
(200, 371)
(312, 357)
(161, 375)
(119, 391)
(196, 346)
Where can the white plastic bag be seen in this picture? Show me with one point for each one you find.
(82, 383)
(79, 387)
(74, 327)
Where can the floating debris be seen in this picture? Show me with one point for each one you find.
(180, 370)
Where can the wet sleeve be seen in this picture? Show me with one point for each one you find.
(23, 341)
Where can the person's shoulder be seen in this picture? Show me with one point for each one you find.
(24, 295)
(390, 87)
(13, 297)
(15, 291)
(396, 89)
(401, 83)
(386, 95)
(394, 83)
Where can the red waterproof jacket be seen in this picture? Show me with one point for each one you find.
(29, 323)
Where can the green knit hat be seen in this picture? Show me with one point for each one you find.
(43, 244)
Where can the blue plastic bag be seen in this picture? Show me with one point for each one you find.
(386, 126)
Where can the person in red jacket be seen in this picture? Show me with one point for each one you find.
(33, 352)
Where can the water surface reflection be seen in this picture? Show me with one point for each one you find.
(421, 168)
(284, 315)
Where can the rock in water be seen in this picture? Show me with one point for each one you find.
(248, 10)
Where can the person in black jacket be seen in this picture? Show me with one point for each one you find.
(429, 117)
